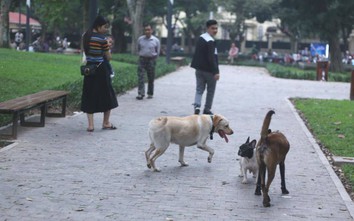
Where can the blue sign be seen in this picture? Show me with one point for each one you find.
(320, 49)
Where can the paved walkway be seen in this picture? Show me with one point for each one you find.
(62, 172)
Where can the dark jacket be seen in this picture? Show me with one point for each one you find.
(206, 57)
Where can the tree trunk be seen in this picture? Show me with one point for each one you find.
(120, 44)
(136, 9)
(4, 23)
(85, 15)
(336, 56)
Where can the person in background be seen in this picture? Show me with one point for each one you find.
(110, 44)
(18, 39)
(65, 43)
(205, 61)
(148, 51)
(233, 52)
(97, 92)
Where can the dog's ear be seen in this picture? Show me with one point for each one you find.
(248, 140)
(253, 143)
(216, 120)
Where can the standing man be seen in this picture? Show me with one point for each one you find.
(148, 50)
(205, 61)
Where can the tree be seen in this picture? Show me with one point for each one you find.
(136, 8)
(196, 16)
(262, 10)
(59, 17)
(4, 23)
(328, 19)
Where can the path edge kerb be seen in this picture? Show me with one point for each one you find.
(343, 193)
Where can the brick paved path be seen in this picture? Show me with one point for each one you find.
(61, 172)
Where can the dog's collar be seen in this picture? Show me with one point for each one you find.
(212, 128)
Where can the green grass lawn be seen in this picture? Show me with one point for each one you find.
(332, 122)
(22, 73)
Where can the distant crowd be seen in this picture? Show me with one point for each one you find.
(302, 56)
(58, 44)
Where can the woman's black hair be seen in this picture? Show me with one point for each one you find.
(98, 22)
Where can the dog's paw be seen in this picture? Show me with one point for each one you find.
(284, 191)
(148, 166)
(241, 175)
(244, 181)
(257, 191)
(157, 170)
(184, 164)
(209, 159)
(266, 201)
(266, 204)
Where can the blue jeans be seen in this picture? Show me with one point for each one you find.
(204, 79)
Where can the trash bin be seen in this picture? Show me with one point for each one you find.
(322, 70)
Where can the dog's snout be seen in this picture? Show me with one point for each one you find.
(239, 152)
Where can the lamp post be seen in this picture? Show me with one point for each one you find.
(170, 32)
(92, 11)
(28, 29)
(19, 16)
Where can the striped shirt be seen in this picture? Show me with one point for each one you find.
(97, 47)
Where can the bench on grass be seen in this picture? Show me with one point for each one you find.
(179, 61)
(19, 106)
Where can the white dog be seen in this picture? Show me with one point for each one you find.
(184, 131)
(248, 160)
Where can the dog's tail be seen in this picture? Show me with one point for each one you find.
(265, 127)
(158, 122)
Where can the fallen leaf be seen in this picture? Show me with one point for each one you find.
(337, 123)
(341, 136)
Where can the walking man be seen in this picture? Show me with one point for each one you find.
(148, 50)
(205, 61)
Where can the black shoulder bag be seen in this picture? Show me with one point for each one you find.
(89, 69)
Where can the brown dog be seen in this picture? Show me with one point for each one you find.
(272, 148)
(184, 131)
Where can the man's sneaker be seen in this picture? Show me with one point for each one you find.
(207, 112)
(149, 96)
(197, 110)
(140, 97)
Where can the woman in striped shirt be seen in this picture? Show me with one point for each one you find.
(97, 93)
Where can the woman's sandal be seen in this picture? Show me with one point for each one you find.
(90, 130)
(112, 127)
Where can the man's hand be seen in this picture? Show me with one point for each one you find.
(217, 77)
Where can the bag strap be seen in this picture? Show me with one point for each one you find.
(99, 64)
